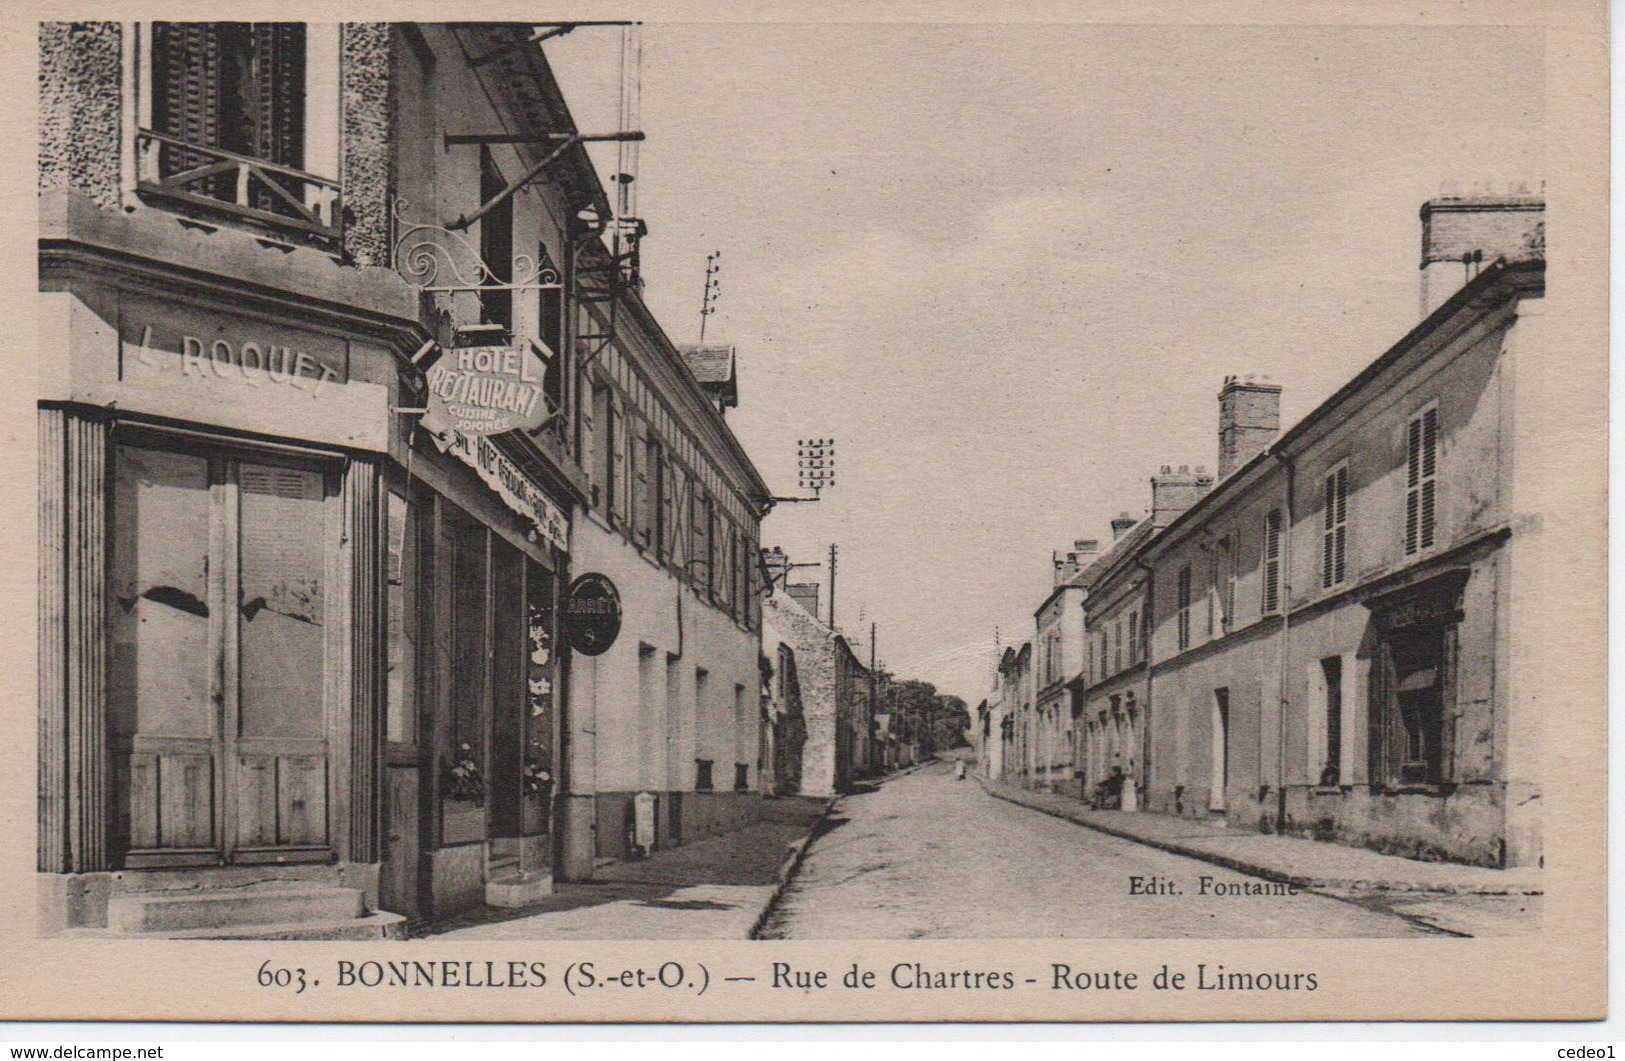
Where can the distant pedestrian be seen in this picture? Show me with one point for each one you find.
(959, 769)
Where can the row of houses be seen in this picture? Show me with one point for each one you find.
(1330, 637)
(347, 386)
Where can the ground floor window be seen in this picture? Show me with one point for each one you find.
(1416, 706)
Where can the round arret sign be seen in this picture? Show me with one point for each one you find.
(592, 614)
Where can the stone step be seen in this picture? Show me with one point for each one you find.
(165, 912)
(518, 889)
(380, 925)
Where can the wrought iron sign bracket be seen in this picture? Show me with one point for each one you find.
(437, 260)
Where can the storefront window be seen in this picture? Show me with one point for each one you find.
(401, 580)
(539, 677)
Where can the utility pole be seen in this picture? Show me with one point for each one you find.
(874, 704)
(832, 551)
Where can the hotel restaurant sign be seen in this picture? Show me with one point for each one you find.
(477, 392)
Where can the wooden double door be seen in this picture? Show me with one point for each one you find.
(220, 630)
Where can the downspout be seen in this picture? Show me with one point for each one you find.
(1282, 699)
(1148, 625)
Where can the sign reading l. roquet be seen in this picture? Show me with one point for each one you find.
(486, 390)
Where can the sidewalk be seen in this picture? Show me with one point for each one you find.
(716, 888)
(1309, 864)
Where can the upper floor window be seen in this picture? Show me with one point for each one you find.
(239, 118)
(1421, 466)
(1133, 637)
(1226, 580)
(1334, 533)
(1272, 562)
(1183, 590)
(496, 244)
(1117, 645)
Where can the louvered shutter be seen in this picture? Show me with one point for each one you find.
(1421, 465)
(186, 91)
(1272, 561)
(1430, 446)
(279, 54)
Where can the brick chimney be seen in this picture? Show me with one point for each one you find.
(1464, 232)
(1082, 555)
(1249, 419)
(1121, 524)
(1172, 492)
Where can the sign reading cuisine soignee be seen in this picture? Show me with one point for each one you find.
(592, 614)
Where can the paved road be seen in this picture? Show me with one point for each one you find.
(926, 856)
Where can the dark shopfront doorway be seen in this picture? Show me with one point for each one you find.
(470, 799)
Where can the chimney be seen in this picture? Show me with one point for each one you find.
(777, 564)
(1172, 492)
(806, 595)
(1249, 419)
(1462, 233)
(1082, 555)
(1121, 524)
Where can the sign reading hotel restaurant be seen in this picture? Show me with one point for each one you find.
(486, 390)
(592, 615)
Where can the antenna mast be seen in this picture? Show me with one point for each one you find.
(713, 291)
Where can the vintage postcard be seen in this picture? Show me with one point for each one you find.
(886, 512)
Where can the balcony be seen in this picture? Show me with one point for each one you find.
(276, 199)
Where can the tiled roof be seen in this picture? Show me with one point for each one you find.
(711, 363)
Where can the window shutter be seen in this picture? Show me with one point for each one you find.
(1421, 465)
(279, 76)
(185, 91)
(1272, 561)
(668, 528)
(681, 521)
(640, 508)
(1430, 445)
(618, 493)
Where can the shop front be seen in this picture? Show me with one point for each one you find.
(473, 668)
(211, 461)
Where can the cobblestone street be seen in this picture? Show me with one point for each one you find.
(926, 856)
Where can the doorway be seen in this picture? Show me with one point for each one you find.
(1219, 783)
(218, 641)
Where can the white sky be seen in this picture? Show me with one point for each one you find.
(1007, 267)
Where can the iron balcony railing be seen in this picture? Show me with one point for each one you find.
(279, 198)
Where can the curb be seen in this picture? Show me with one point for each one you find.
(794, 852)
(1334, 886)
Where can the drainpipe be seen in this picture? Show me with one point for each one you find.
(1147, 624)
(1281, 698)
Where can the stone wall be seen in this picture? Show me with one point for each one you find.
(367, 122)
(80, 82)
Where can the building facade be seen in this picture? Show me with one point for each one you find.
(832, 692)
(1365, 677)
(1109, 693)
(299, 631)
(1058, 637)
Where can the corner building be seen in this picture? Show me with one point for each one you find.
(300, 671)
